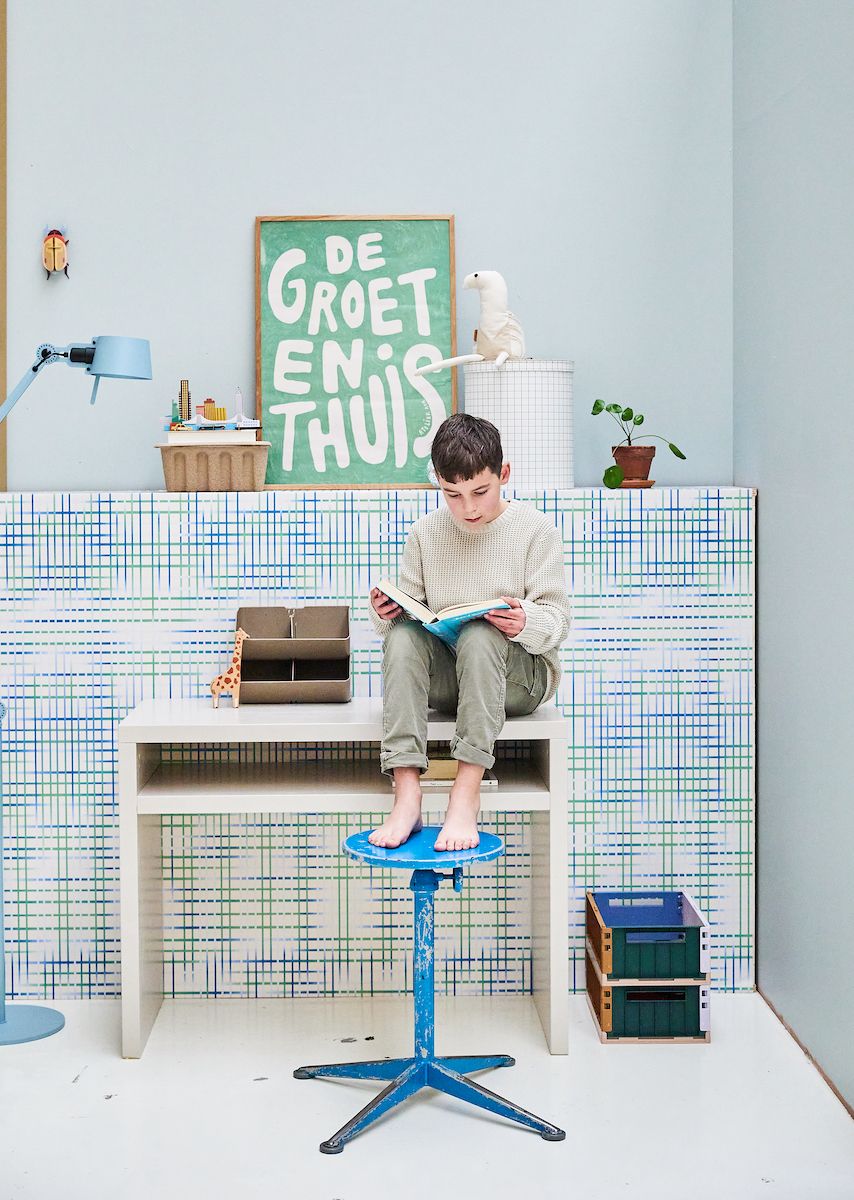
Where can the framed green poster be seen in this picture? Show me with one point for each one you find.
(346, 310)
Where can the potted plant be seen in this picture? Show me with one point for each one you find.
(632, 462)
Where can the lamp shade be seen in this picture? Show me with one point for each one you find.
(121, 358)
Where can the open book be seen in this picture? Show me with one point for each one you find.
(447, 622)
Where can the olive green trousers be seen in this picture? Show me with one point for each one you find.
(487, 679)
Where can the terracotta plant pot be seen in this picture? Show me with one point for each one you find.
(635, 462)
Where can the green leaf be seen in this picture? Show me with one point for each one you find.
(613, 477)
(598, 405)
(627, 414)
(614, 408)
(676, 450)
(638, 419)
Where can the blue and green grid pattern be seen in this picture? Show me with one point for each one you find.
(112, 598)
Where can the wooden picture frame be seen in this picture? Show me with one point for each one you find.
(346, 309)
(3, 210)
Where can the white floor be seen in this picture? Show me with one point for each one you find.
(212, 1109)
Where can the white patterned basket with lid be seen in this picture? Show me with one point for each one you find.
(530, 401)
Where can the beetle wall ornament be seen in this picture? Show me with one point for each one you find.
(55, 252)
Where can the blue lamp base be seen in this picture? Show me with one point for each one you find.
(28, 1023)
(21, 1022)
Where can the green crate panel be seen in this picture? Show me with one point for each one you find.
(647, 1012)
(656, 960)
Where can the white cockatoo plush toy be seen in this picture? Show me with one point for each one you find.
(498, 335)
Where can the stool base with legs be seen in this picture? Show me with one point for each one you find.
(406, 1076)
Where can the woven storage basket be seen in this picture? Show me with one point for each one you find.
(530, 401)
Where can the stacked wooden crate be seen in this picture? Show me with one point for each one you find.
(647, 966)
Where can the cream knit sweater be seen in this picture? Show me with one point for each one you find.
(519, 554)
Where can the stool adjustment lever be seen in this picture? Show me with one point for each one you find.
(456, 875)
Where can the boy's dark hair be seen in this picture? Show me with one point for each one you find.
(464, 446)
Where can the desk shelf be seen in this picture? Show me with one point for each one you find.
(319, 785)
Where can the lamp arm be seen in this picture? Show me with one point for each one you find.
(18, 391)
(46, 354)
(126, 358)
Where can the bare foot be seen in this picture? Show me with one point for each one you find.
(460, 829)
(405, 816)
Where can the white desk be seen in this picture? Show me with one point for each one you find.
(149, 788)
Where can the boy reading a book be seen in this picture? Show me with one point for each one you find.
(504, 665)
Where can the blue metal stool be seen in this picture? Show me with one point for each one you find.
(424, 1069)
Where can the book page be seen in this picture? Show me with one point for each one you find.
(459, 610)
(415, 607)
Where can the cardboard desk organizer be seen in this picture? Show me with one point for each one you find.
(295, 655)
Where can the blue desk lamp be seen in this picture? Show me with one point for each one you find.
(115, 358)
(22, 1022)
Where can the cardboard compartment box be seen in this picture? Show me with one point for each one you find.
(295, 655)
(319, 631)
(647, 935)
(652, 1011)
(215, 468)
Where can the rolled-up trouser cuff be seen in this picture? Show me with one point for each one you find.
(389, 761)
(468, 753)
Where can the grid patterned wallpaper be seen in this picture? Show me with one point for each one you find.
(112, 598)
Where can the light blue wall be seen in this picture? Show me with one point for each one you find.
(794, 335)
(585, 149)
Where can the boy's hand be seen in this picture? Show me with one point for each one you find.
(510, 621)
(383, 607)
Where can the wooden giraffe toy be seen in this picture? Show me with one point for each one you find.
(229, 681)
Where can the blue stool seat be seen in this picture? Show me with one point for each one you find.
(406, 1076)
(417, 852)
